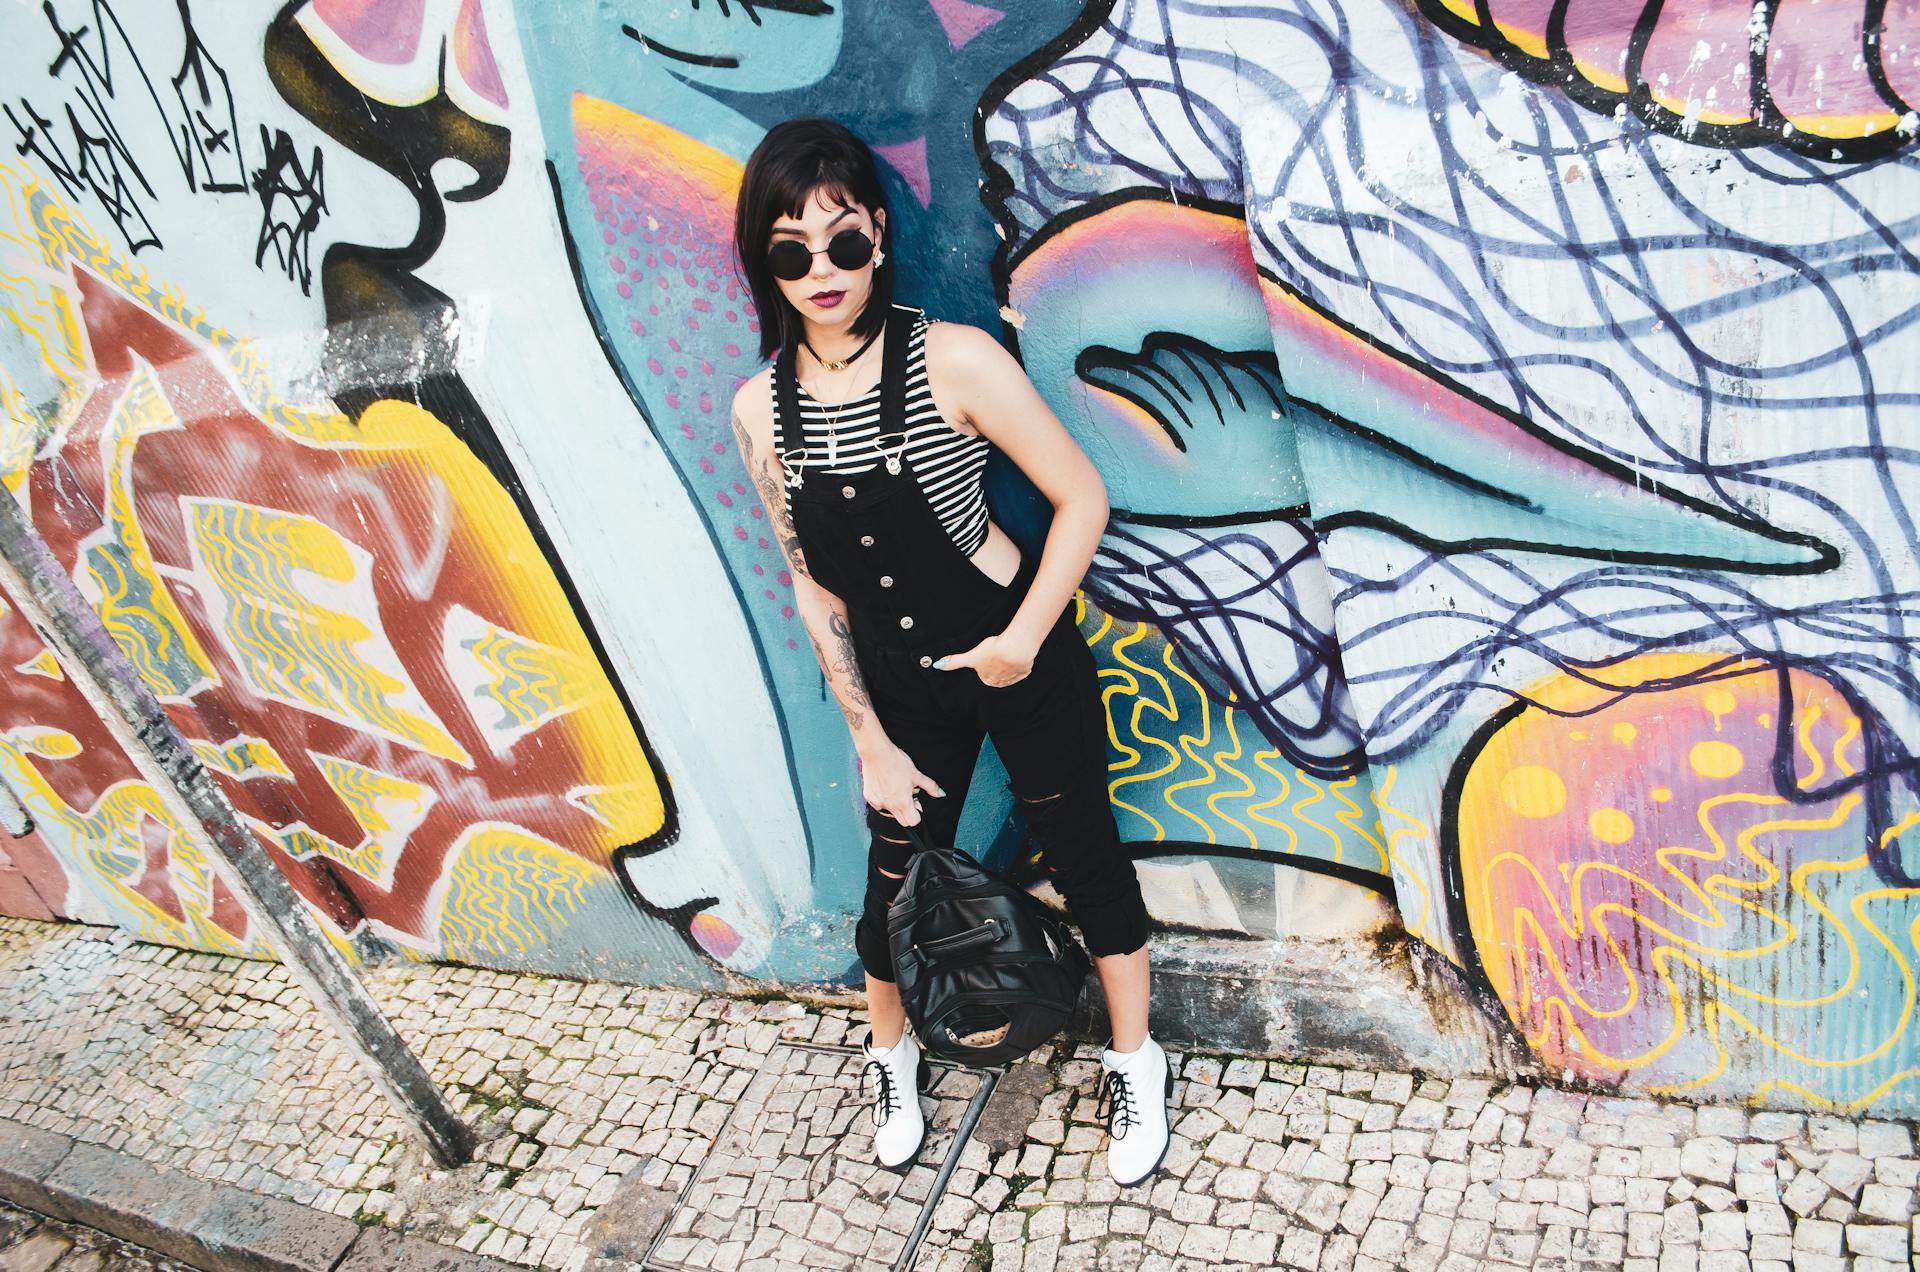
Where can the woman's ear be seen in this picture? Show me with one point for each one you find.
(880, 224)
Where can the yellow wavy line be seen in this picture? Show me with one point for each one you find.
(1247, 788)
(1847, 735)
(103, 843)
(1130, 756)
(1575, 924)
(1300, 809)
(1080, 616)
(286, 642)
(1714, 1008)
(1352, 819)
(1713, 1011)
(147, 628)
(510, 887)
(1704, 892)
(529, 682)
(305, 842)
(1189, 745)
(1707, 891)
(1265, 760)
(1142, 704)
(1900, 828)
(1803, 733)
(241, 757)
(1679, 952)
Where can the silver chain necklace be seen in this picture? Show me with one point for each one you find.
(835, 416)
(796, 471)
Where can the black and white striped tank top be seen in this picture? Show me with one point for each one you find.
(947, 463)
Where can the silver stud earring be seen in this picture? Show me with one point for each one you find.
(879, 258)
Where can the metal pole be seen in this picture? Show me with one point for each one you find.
(111, 685)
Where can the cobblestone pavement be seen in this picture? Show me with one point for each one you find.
(31, 1242)
(792, 1180)
(216, 1066)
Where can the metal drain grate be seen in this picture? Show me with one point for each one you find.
(791, 1180)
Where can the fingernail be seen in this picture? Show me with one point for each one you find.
(941, 794)
(939, 664)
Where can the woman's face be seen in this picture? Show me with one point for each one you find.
(827, 295)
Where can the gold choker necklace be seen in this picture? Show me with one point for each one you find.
(852, 358)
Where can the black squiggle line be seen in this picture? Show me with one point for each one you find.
(724, 61)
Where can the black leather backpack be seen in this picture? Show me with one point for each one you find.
(986, 972)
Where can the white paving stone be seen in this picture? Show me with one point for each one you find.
(580, 1087)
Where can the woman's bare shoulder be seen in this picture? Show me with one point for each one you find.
(753, 405)
(962, 347)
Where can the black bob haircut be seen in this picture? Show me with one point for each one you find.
(793, 160)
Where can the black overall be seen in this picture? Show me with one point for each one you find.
(873, 540)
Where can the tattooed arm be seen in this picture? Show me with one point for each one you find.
(823, 613)
(888, 774)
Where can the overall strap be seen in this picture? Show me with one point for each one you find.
(893, 372)
(791, 439)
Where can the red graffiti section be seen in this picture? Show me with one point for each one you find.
(348, 621)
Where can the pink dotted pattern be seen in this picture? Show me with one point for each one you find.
(664, 208)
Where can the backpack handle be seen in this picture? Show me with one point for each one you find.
(911, 963)
(988, 933)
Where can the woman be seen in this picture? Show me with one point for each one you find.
(867, 439)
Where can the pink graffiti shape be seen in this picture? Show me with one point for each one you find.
(378, 30)
(1814, 67)
(1522, 20)
(474, 55)
(964, 20)
(1597, 37)
(909, 159)
(1697, 57)
(1900, 50)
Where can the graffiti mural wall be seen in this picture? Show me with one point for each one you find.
(1595, 398)
(1503, 408)
(257, 455)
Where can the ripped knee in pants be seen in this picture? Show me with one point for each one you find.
(883, 886)
(1043, 814)
(1072, 836)
(882, 826)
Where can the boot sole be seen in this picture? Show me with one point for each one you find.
(1155, 1168)
(924, 1078)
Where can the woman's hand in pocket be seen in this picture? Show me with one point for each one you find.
(999, 661)
(891, 783)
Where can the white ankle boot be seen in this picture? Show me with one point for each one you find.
(893, 1079)
(1134, 1090)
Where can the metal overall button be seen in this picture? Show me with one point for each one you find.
(886, 580)
(926, 660)
(866, 540)
(846, 492)
(906, 621)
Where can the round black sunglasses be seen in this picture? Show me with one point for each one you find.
(791, 259)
